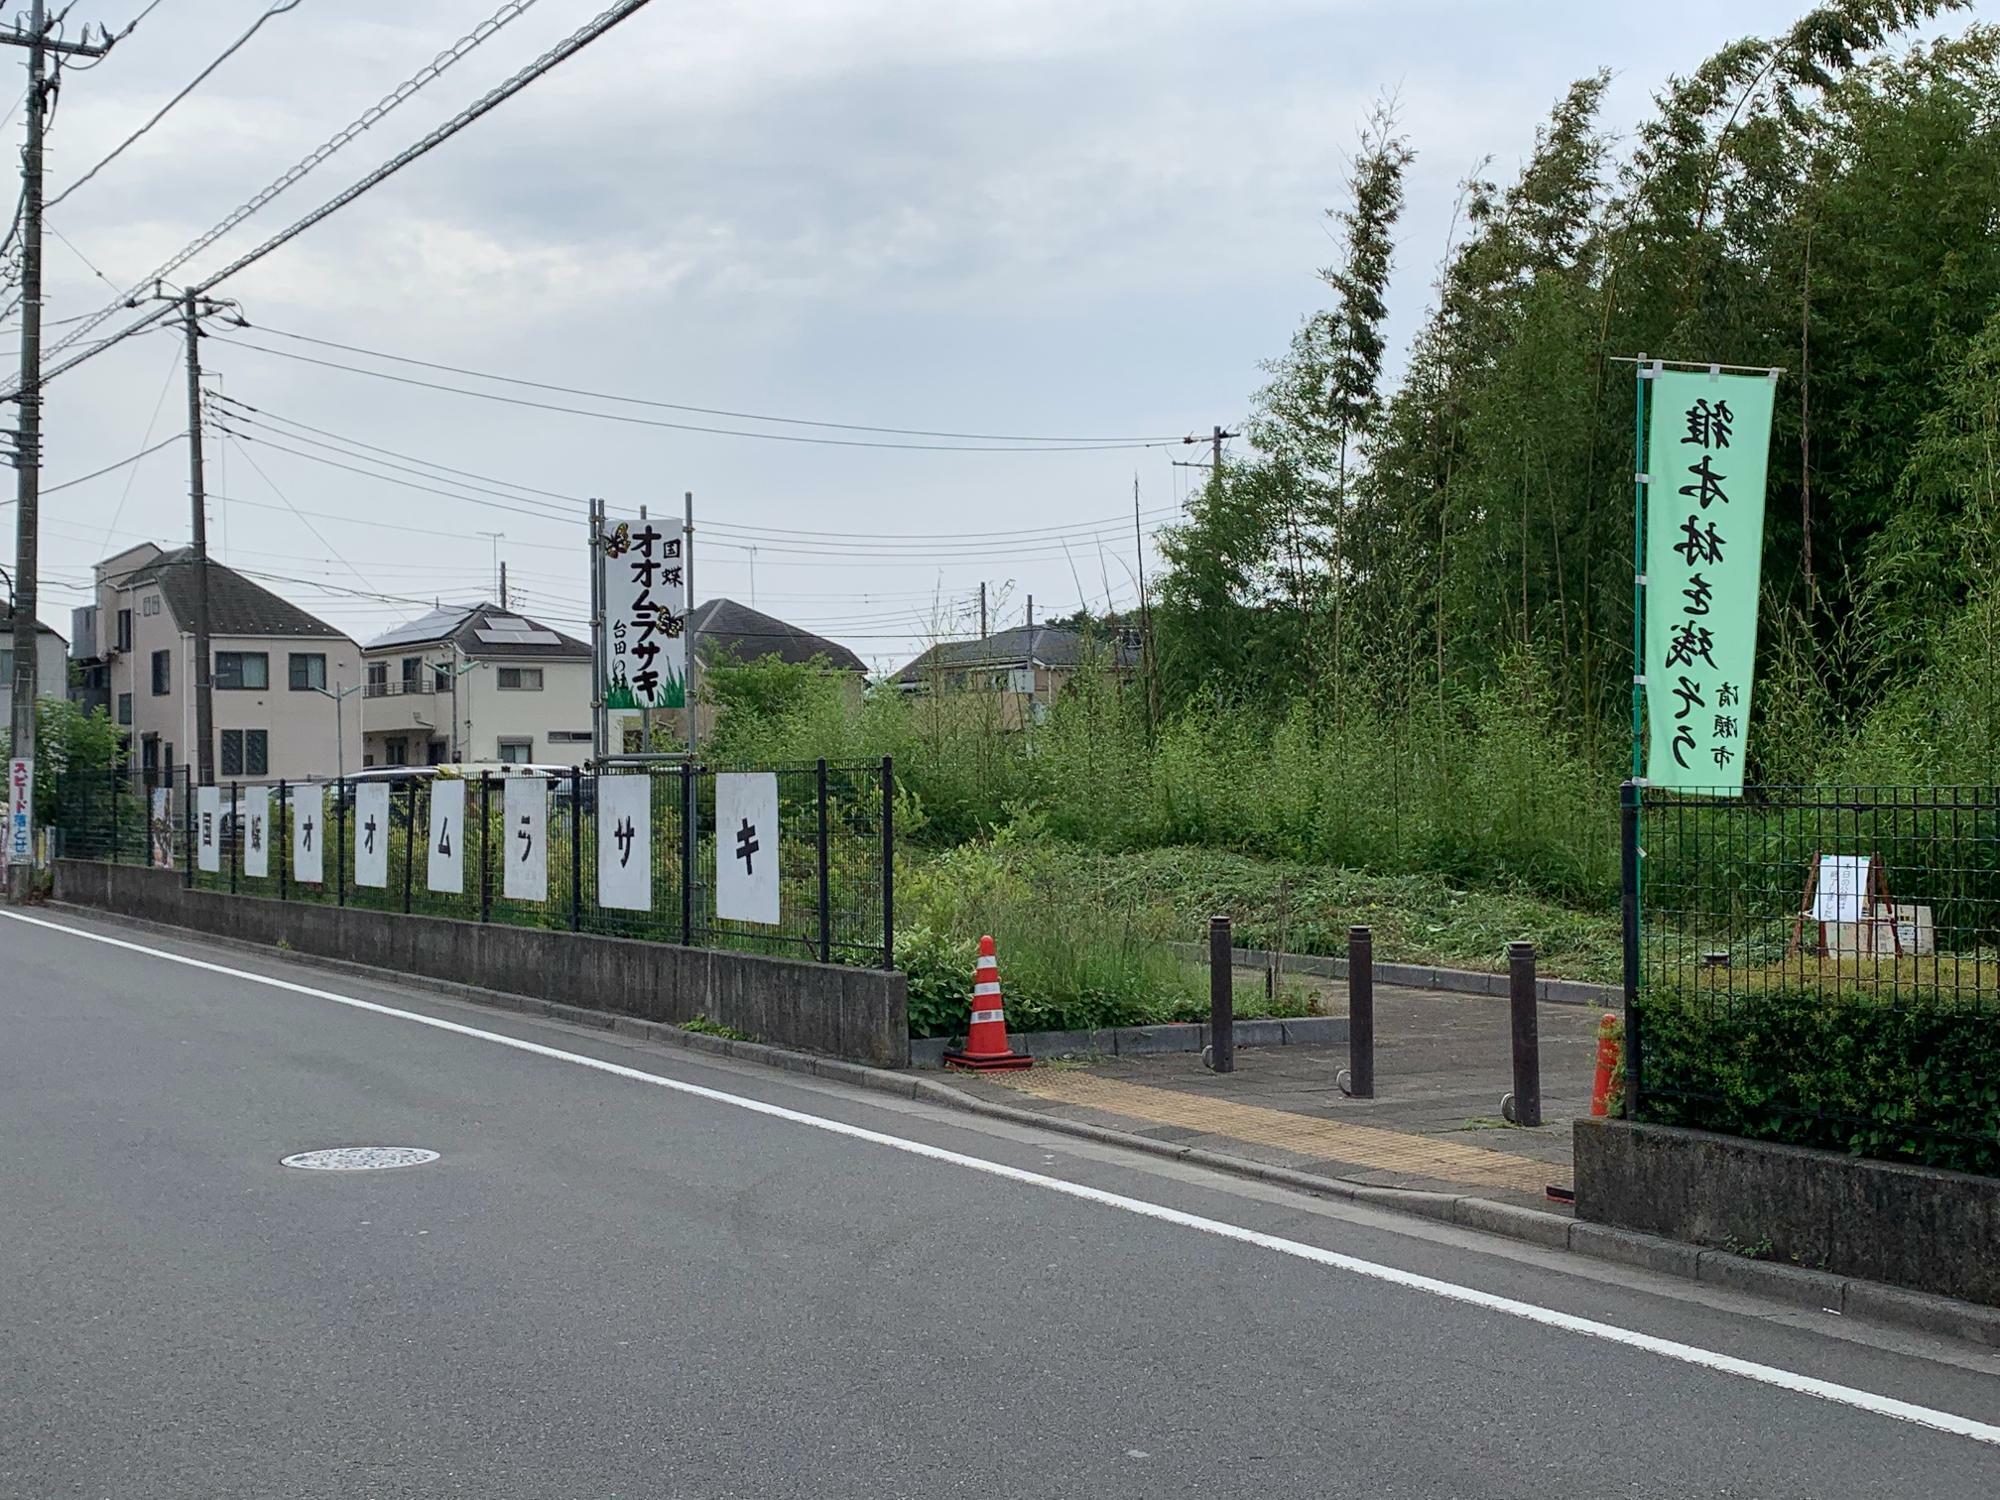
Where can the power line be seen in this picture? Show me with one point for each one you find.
(294, 509)
(50, 489)
(277, 9)
(706, 411)
(769, 437)
(1082, 530)
(353, 442)
(368, 118)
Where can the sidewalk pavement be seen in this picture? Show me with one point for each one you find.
(1442, 1062)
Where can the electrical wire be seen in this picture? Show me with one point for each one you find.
(1081, 530)
(368, 118)
(278, 8)
(706, 411)
(769, 437)
(50, 489)
(271, 416)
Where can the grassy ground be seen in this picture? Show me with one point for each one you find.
(1305, 908)
(1083, 935)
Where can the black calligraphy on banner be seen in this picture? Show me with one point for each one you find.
(644, 601)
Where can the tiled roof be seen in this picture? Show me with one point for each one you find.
(484, 631)
(1046, 645)
(236, 606)
(726, 627)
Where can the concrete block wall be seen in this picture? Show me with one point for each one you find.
(859, 1014)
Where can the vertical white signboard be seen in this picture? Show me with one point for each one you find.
(643, 581)
(20, 809)
(208, 828)
(625, 842)
(371, 834)
(255, 830)
(161, 828)
(309, 835)
(746, 846)
(447, 835)
(527, 842)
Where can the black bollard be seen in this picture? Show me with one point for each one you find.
(1221, 997)
(1360, 1013)
(1525, 1103)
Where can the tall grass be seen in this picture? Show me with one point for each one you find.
(1486, 788)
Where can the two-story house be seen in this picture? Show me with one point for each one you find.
(274, 670)
(476, 683)
(51, 663)
(1020, 671)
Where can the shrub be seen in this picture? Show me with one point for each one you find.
(1902, 1077)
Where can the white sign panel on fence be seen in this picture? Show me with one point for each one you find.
(20, 809)
(447, 836)
(256, 823)
(371, 834)
(160, 828)
(746, 846)
(642, 652)
(625, 842)
(309, 836)
(208, 828)
(527, 842)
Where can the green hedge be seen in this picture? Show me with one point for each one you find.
(1899, 1077)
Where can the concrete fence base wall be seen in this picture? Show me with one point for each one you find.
(1915, 1227)
(860, 1014)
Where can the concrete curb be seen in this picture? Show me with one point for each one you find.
(1415, 976)
(1848, 1296)
(1142, 1041)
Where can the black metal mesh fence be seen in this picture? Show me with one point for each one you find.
(1820, 965)
(579, 852)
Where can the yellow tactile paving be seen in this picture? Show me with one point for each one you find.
(1362, 1145)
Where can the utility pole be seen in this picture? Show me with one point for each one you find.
(982, 609)
(28, 437)
(1147, 664)
(503, 583)
(1217, 436)
(192, 309)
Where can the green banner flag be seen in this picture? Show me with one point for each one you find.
(1707, 449)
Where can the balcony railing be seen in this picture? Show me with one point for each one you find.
(400, 689)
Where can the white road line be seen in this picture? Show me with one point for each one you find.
(1707, 1359)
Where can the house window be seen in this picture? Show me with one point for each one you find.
(437, 750)
(398, 751)
(308, 669)
(440, 677)
(242, 669)
(517, 752)
(163, 668)
(167, 761)
(125, 708)
(246, 752)
(149, 756)
(124, 630)
(412, 665)
(378, 679)
(570, 736)
(520, 679)
(150, 605)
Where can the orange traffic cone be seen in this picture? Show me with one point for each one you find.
(986, 1048)
(1608, 1048)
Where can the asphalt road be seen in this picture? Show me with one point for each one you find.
(611, 1286)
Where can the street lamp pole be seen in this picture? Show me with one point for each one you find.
(339, 695)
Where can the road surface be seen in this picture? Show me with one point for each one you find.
(638, 1272)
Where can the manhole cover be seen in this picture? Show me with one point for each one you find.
(360, 1158)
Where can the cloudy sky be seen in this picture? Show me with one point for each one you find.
(1080, 219)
